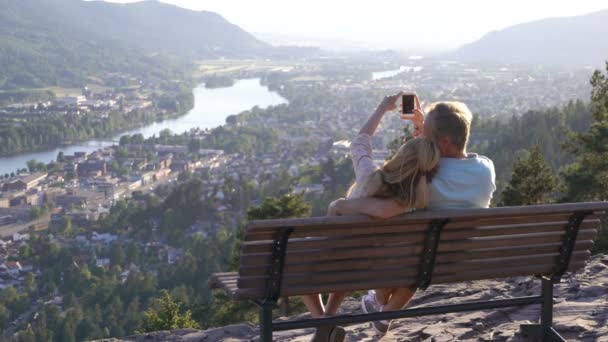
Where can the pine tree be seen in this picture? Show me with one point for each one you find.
(166, 314)
(587, 178)
(532, 182)
(282, 207)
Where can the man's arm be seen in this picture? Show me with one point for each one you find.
(371, 206)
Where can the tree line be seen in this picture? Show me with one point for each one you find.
(53, 129)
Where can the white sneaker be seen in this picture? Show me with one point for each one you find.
(369, 304)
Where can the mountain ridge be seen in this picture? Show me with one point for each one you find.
(563, 41)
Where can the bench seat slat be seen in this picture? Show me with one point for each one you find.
(225, 281)
(318, 255)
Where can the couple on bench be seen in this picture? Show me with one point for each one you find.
(432, 171)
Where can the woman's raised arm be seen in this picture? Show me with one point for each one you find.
(388, 103)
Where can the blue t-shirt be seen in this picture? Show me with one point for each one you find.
(463, 183)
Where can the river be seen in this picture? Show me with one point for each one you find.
(390, 73)
(211, 107)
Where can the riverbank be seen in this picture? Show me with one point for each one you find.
(210, 109)
(98, 126)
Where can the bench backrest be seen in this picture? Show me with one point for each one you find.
(326, 254)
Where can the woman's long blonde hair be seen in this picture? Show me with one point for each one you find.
(407, 175)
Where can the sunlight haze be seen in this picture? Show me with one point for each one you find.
(403, 25)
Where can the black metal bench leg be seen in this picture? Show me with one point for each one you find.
(544, 331)
(266, 322)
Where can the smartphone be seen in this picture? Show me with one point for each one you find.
(407, 101)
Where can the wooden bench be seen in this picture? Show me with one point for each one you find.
(294, 257)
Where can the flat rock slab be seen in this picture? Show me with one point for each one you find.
(580, 314)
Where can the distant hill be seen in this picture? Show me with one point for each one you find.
(60, 42)
(571, 41)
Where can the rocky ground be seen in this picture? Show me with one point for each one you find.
(580, 314)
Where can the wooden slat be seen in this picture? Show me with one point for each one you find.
(442, 258)
(491, 268)
(382, 237)
(504, 272)
(478, 243)
(328, 266)
(225, 281)
(519, 229)
(382, 283)
(411, 260)
(316, 231)
(257, 293)
(383, 226)
(316, 254)
(354, 286)
(339, 242)
(498, 263)
(426, 216)
(581, 245)
(314, 279)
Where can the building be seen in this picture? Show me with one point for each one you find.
(25, 183)
(11, 267)
(17, 213)
(82, 218)
(34, 198)
(67, 201)
(180, 166)
(104, 238)
(6, 219)
(308, 189)
(92, 168)
(80, 155)
(70, 101)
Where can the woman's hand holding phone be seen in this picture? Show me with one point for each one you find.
(417, 113)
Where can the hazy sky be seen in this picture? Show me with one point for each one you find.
(398, 24)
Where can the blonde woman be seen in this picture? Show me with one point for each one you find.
(404, 178)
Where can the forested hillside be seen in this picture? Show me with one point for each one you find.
(505, 141)
(63, 42)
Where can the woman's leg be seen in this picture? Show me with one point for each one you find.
(314, 304)
(399, 298)
(383, 295)
(325, 333)
(334, 302)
